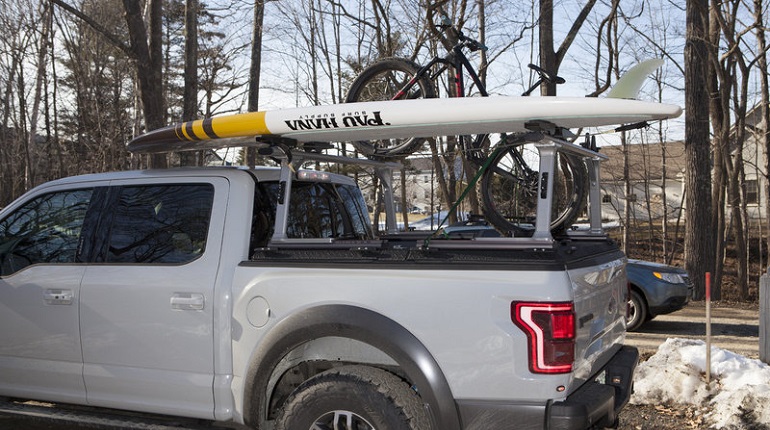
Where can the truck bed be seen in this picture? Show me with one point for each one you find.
(442, 254)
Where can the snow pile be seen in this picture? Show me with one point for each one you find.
(739, 392)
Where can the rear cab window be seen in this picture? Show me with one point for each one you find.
(316, 210)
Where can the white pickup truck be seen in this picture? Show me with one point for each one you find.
(262, 297)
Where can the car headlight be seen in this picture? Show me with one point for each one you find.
(671, 278)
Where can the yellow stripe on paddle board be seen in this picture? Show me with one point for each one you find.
(236, 125)
(220, 127)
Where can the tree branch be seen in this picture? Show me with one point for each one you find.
(112, 38)
(573, 31)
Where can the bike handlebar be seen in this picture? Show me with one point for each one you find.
(472, 44)
(464, 41)
(547, 76)
(544, 76)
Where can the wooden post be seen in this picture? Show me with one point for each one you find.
(764, 317)
(708, 328)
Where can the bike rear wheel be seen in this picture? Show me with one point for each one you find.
(509, 189)
(390, 79)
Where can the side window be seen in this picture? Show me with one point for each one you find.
(44, 230)
(160, 223)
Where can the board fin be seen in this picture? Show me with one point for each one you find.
(630, 83)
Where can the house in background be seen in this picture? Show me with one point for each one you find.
(646, 176)
(422, 185)
(422, 192)
(645, 172)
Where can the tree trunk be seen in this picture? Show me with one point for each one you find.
(719, 175)
(39, 78)
(255, 69)
(627, 191)
(764, 139)
(190, 97)
(444, 189)
(548, 60)
(699, 236)
(404, 208)
(149, 63)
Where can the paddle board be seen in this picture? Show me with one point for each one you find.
(401, 119)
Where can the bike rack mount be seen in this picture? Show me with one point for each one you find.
(548, 148)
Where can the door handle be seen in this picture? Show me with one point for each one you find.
(187, 302)
(58, 297)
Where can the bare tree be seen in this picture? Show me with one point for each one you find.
(190, 96)
(551, 57)
(732, 69)
(40, 77)
(764, 140)
(699, 239)
(255, 68)
(146, 49)
(95, 126)
(16, 43)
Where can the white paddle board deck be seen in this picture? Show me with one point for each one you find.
(401, 119)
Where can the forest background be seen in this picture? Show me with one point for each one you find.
(80, 78)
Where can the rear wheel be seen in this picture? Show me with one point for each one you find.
(390, 79)
(509, 189)
(353, 398)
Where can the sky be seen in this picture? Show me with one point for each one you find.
(285, 63)
(676, 375)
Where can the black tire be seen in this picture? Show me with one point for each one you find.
(368, 397)
(382, 81)
(509, 190)
(637, 311)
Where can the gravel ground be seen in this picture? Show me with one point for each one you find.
(633, 417)
(660, 417)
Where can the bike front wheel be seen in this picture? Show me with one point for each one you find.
(390, 79)
(510, 190)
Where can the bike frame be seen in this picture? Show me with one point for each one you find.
(458, 62)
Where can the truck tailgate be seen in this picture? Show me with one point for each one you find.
(600, 296)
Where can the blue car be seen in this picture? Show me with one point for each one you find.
(656, 289)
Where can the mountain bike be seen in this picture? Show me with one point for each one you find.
(510, 181)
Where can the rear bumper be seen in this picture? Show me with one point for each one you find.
(595, 404)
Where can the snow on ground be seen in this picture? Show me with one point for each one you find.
(739, 392)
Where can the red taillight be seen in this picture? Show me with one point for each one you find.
(550, 329)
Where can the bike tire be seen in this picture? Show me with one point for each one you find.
(382, 81)
(510, 188)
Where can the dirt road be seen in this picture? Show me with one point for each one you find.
(734, 327)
